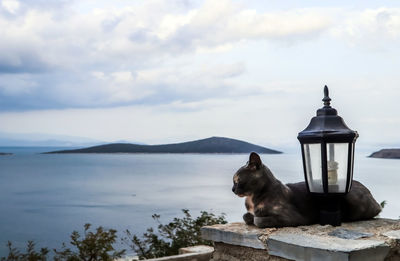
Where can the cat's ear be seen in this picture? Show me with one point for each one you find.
(255, 160)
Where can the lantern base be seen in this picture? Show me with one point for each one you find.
(330, 211)
(333, 218)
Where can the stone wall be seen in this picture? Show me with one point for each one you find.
(371, 240)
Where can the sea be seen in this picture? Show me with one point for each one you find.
(44, 197)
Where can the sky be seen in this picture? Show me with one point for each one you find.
(161, 71)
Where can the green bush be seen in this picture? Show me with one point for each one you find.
(181, 232)
(98, 245)
(95, 246)
(30, 255)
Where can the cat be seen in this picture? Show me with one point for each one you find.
(270, 203)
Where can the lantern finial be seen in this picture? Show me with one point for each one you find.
(326, 99)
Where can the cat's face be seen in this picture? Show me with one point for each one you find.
(249, 177)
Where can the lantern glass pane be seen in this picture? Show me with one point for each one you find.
(337, 163)
(312, 156)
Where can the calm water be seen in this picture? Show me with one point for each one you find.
(45, 197)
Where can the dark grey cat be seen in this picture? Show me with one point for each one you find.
(270, 203)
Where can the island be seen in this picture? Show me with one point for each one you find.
(386, 154)
(209, 145)
(5, 154)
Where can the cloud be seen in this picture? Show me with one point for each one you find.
(15, 85)
(75, 55)
(83, 54)
(377, 29)
(218, 23)
(10, 6)
(167, 84)
(106, 89)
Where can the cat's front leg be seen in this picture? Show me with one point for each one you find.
(263, 222)
(264, 218)
(248, 218)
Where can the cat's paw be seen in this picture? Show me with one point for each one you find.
(263, 222)
(248, 218)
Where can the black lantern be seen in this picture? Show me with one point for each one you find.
(327, 147)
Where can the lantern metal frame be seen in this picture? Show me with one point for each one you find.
(328, 128)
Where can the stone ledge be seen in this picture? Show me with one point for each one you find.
(376, 239)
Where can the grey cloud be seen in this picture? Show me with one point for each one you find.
(109, 89)
(383, 17)
(110, 23)
(19, 8)
(143, 36)
(22, 61)
(45, 4)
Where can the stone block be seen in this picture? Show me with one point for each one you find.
(235, 234)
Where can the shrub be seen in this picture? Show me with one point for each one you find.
(30, 255)
(180, 232)
(93, 247)
(98, 245)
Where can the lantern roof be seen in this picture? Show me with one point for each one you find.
(327, 125)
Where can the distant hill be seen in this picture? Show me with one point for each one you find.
(386, 154)
(209, 145)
